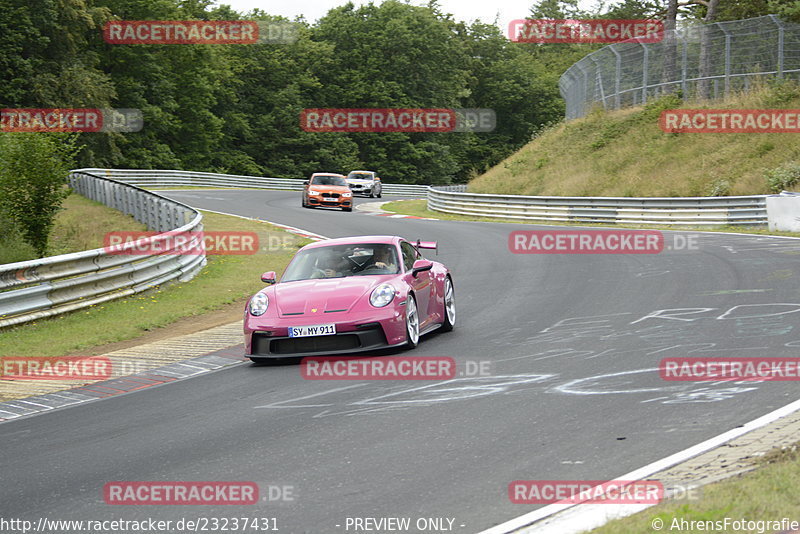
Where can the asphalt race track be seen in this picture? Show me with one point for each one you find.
(573, 393)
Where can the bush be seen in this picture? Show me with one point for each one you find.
(33, 173)
(652, 110)
(720, 188)
(780, 93)
(783, 177)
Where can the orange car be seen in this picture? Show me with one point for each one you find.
(327, 189)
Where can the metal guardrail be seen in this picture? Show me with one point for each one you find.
(167, 178)
(694, 211)
(35, 289)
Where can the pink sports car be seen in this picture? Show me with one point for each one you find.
(349, 295)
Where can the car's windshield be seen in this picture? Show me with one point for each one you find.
(328, 180)
(338, 261)
(360, 176)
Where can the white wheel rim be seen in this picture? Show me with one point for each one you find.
(412, 320)
(450, 302)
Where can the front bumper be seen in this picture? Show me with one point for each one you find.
(361, 189)
(333, 203)
(378, 329)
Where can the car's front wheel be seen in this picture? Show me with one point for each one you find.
(412, 323)
(380, 193)
(449, 306)
(347, 209)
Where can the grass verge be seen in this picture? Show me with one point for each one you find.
(766, 494)
(225, 281)
(625, 153)
(80, 225)
(419, 208)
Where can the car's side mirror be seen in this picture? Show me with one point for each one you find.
(305, 182)
(268, 277)
(420, 266)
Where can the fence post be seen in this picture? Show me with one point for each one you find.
(779, 24)
(617, 76)
(727, 59)
(685, 65)
(645, 67)
(586, 99)
(598, 81)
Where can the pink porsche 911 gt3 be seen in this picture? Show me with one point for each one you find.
(349, 295)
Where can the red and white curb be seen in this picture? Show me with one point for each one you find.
(29, 406)
(374, 208)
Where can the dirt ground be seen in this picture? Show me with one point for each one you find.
(188, 325)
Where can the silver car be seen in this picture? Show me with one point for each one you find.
(365, 183)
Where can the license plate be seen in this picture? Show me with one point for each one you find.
(312, 330)
(331, 199)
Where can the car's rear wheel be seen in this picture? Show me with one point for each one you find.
(449, 306)
(412, 323)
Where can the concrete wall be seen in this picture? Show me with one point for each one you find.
(783, 212)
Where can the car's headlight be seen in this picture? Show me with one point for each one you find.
(382, 295)
(259, 304)
(347, 195)
(312, 192)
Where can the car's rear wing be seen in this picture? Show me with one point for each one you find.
(432, 245)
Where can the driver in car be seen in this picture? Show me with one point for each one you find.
(332, 266)
(383, 258)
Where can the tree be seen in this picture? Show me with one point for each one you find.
(703, 85)
(33, 170)
(669, 47)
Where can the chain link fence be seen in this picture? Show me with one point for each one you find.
(699, 60)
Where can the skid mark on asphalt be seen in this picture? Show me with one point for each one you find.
(457, 389)
(742, 330)
(339, 401)
(680, 393)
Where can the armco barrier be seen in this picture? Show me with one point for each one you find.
(35, 289)
(693, 211)
(166, 178)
